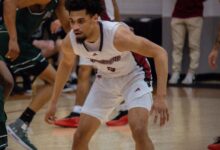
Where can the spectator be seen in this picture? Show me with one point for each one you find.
(187, 17)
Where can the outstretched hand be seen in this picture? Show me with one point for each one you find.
(160, 110)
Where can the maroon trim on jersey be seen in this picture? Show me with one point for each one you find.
(141, 61)
(101, 40)
(104, 15)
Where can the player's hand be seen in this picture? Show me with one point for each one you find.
(160, 110)
(50, 114)
(212, 59)
(55, 26)
(13, 50)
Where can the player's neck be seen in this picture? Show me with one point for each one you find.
(95, 34)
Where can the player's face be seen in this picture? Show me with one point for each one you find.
(82, 24)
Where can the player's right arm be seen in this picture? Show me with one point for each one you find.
(9, 8)
(62, 75)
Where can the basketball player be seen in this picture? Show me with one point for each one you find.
(22, 56)
(6, 86)
(123, 73)
(212, 60)
(111, 12)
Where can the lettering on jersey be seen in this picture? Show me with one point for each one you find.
(107, 62)
(111, 69)
(138, 89)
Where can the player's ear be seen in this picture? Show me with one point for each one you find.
(96, 17)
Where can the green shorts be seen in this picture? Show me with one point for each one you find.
(1, 58)
(3, 132)
(2, 112)
(30, 59)
(3, 136)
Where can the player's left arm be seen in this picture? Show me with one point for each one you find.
(126, 40)
(62, 15)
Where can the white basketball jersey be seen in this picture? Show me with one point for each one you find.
(107, 59)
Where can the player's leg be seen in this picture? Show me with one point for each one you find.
(138, 99)
(43, 94)
(138, 122)
(98, 106)
(6, 85)
(87, 127)
(138, 115)
(6, 79)
(38, 66)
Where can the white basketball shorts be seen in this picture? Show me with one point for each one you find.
(107, 93)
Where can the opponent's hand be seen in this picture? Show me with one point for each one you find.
(160, 110)
(212, 59)
(13, 50)
(50, 114)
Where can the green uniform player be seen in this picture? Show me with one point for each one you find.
(21, 56)
(3, 132)
(30, 59)
(6, 85)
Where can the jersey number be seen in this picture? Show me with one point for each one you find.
(111, 69)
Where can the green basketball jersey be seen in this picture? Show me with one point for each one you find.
(27, 22)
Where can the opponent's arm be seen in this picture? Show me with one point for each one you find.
(9, 11)
(62, 15)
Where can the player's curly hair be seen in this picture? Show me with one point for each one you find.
(92, 7)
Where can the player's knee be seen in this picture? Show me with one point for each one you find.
(139, 131)
(7, 80)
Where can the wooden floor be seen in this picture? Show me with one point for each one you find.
(195, 121)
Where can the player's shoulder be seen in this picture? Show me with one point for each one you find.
(123, 31)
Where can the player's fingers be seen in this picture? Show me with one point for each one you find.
(49, 119)
(156, 116)
(162, 118)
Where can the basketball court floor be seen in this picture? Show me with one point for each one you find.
(194, 122)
